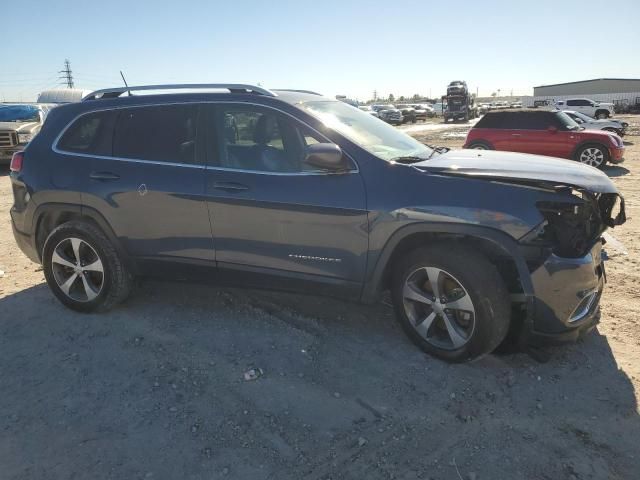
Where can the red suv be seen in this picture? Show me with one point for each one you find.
(542, 132)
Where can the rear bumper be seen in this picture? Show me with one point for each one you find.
(25, 243)
(567, 297)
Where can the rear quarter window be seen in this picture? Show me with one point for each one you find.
(89, 134)
(491, 120)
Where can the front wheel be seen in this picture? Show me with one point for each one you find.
(451, 301)
(602, 114)
(593, 155)
(83, 269)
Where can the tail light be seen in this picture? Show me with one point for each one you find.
(16, 161)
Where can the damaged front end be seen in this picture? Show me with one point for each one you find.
(565, 262)
(573, 225)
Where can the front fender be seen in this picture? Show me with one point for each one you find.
(380, 260)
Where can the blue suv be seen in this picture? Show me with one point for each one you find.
(288, 189)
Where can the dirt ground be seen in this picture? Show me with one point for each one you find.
(155, 389)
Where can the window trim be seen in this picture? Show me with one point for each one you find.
(205, 166)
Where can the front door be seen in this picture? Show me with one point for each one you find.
(539, 133)
(150, 188)
(273, 213)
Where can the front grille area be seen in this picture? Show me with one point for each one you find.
(8, 139)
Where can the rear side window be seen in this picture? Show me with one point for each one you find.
(491, 120)
(165, 133)
(89, 134)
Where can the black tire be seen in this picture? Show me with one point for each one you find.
(479, 277)
(604, 151)
(480, 145)
(602, 114)
(117, 281)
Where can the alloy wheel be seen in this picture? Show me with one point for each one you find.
(592, 156)
(439, 308)
(77, 269)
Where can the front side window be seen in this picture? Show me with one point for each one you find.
(373, 135)
(165, 133)
(89, 134)
(263, 140)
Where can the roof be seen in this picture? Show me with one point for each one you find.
(592, 80)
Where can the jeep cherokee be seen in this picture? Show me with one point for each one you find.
(291, 190)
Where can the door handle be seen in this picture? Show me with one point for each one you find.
(104, 176)
(230, 186)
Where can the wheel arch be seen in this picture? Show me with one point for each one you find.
(585, 143)
(499, 247)
(482, 141)
(51, 215)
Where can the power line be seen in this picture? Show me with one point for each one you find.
(67, 77)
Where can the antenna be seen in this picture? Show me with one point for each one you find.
(125, 82)
(67, 76)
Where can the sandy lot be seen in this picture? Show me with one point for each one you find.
(155, 388)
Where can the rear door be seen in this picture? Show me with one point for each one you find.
(150, 186)
(273, 214)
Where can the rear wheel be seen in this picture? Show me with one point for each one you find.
(600, 114)
(451, 302)
(83, 269)
(594, 155)
(480, 146)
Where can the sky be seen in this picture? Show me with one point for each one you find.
(334, 47)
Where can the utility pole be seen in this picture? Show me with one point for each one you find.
(67, 76)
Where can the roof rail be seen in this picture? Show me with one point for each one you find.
(311, 92)
(232, 87)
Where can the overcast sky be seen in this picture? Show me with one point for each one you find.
(334, 47)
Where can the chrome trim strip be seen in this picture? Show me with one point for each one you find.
(181, 86)
(54, 145)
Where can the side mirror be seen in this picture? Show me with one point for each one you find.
(326, 156)
(552, 129)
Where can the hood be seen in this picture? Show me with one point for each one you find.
(25, 127)
(522, 168)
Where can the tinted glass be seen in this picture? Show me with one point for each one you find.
(89, 134)
(164, 133)
(265, 141)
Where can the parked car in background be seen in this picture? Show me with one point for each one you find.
(516, 105)
(551, 133)
(427, 108)
(593, 109)
(369, 110)
(438, 109)
(409, 113)
(389, 113)
(610, 125)
(483, 108)
(307, 193)
(420, 112)
(19, 123)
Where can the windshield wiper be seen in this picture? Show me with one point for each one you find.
(408, 159)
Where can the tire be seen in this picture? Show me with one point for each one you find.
(593, 154)
(479, 145)
(452, 334)
(96, 289)
(601, 114)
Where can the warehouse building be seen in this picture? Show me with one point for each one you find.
(619, 91)
(603, 86)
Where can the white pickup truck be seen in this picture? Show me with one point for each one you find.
(588, 107)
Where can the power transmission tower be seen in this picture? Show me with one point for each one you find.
(67, 76)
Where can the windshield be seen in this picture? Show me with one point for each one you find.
(582, 117)
(567, 121)
(18, 113)
(375, 136)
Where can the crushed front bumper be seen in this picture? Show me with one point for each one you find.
(567, 297)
